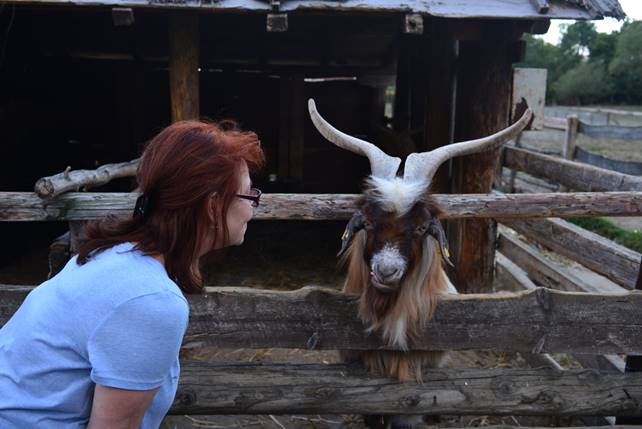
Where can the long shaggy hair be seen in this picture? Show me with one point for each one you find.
(398, 316)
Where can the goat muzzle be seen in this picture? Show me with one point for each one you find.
(380, 286)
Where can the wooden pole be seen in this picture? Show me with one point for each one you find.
(570, 137)
(483, 103)
(183, 65)
(440, 97)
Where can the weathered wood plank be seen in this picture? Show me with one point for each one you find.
(597, 253)
(484, 67)
(539, 320)
(610, 132)
(555, 123)
(26, 206)
(539, 268)
(574, 175)
(492, 9)
(183, 46)
(509, 275)
(546, 273)
(316, 388)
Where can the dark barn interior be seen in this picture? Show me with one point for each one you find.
(84, 86)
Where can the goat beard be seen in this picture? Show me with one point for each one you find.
(376, 304)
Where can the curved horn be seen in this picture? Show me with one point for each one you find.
(424, 165)
(381, 164)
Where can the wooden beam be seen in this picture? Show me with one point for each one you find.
(51, 186)
(251, 388)
(538, 321)
(183, 65)
(484, 79)
(511, 276)
(554, 123)
(26, 206)
(568, 173)
(595, 252)
(530, 260)
(541, 6)
(440, 98)
(539, 268)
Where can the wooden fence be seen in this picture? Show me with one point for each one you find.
(536, 321)
(594, 325)
(573, 127)
(524, 265)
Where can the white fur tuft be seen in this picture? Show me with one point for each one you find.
(397, 194)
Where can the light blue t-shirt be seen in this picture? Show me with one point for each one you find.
(118, 321)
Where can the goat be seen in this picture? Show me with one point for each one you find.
(394, 244)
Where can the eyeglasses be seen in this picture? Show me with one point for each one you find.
(254, 197)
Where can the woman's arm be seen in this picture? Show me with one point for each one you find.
(119, 408)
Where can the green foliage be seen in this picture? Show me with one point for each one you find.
(626, 65)
(585, 83)
(588, 67)
(606, 228)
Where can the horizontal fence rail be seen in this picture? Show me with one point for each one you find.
(27, 206)
(605, 257)
(610, 131)
(338, 388)
(572, 174)
(540, 320)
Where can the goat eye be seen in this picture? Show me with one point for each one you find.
(367, 224)
(421, 229)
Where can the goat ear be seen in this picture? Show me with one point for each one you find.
(436, 230)
(355, 224)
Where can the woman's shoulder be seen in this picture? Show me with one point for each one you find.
(112, 277)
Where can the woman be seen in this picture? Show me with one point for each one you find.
(97, 345)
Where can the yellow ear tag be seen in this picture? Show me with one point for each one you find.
(438, 251)
(447, 252)
(345, 235)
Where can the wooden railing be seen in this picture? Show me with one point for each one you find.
(538, 321)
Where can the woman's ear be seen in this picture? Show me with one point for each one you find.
(212, 205)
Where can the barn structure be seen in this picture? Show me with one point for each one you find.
(86, 82)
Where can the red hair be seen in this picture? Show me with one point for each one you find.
(178, 172)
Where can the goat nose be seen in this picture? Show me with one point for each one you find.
(387, 271)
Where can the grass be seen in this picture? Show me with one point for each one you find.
(606, 228)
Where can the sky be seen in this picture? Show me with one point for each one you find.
(633, 9)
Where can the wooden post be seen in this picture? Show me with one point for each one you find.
(284, 128)
(291, 131)
(570, 137)
(483, 102)
(440, 97)
(513, 173)
(297, 126)
(183, 65)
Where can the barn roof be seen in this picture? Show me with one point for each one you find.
(498, 9)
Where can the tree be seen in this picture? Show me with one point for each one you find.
(578, 38)
(626, 65)
(586, 83)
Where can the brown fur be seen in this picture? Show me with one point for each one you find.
(412, 303)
